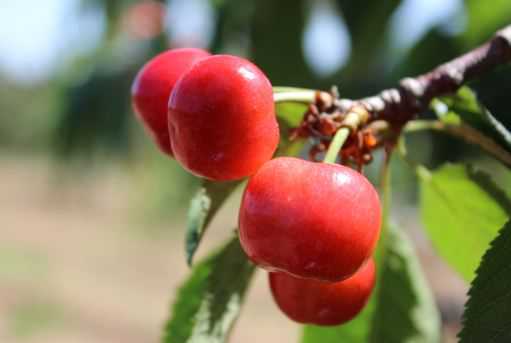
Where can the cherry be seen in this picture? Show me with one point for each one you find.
(152, 87)
(222, 119)
(310, 301)
(309, 219)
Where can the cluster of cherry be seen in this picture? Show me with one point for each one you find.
(313, 226)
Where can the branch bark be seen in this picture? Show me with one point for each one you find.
(401, 104)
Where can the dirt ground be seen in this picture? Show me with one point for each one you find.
(75, 265)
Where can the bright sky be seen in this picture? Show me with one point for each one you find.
(37, 35)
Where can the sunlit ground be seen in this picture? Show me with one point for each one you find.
(76, 266)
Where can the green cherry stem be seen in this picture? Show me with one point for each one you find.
(336, 145)
(353, 119)
(300, 96)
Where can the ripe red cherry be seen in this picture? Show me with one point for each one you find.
(308, 219)
(152, 86)
(222, 119)
(310, 301)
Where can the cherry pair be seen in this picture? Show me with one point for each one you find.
(214, 114)
(314, 227)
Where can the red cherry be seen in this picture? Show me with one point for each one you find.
(222, 119)
(310, 301)
(308, 219)
(152, 86)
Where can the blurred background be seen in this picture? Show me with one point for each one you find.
(92, 215)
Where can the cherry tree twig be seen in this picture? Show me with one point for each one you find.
(328, 115)
(401, 104)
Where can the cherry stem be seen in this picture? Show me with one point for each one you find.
(300, 96)
(336, 145)
(355, 117)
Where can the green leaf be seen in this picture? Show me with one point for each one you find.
(404, 289)
(483, 20)
(462, 211)
(209, 302)
(204, 205)
(400, 287)
(290, 114)
(466, 105)
(488, 310)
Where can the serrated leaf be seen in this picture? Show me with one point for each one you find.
(203, 206)
(401, 308)
(462, 211)
(466, 105)
(413, 316)
(488, 310)
(209, 302)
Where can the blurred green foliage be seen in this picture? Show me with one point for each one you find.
(33, 318)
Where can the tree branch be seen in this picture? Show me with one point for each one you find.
(399, 105)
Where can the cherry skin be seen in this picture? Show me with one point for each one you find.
(222, 120)
(310, 301)
(152, 87)
(309, 219)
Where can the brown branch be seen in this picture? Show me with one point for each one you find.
(399, 105)
(327, 113)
